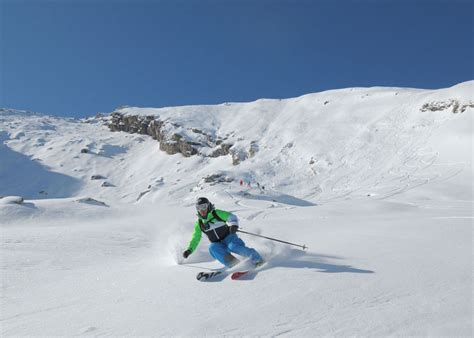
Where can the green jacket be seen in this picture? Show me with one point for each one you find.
(216, 228)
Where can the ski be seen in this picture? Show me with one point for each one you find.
(236, 272)
(239, 274)
(211, 275)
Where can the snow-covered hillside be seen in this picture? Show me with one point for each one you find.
(377, 182)
(353, 142)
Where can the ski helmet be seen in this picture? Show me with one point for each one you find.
(202, 203)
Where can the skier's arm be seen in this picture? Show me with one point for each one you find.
(231, 219)
(228, 217)
(196, 238)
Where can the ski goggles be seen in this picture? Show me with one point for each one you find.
(202, 207)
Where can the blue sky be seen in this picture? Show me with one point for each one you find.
(77, 58)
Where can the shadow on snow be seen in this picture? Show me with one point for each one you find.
(21, 175)
(297, 259)
(293, 259)
(277, 197)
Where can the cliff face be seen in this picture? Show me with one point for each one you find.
(168, 134)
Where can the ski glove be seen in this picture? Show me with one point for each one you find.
(233, 229)
(187, 253)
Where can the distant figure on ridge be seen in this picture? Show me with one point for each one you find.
(220, 227)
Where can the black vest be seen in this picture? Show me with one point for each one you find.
(214, 233)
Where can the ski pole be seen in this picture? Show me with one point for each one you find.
(273, 239)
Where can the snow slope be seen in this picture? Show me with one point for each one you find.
(378, 188)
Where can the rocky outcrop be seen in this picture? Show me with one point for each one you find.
(241, 154)
(454, 105)
(90, 200)
(129, 124)
(173, 137)
(238, 156)
(222, 150)
(217, 178)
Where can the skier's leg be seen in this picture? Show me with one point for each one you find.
(235, 244)
(219, 251)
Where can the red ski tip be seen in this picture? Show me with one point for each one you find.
(237, 275)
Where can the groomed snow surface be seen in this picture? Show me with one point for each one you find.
(379, 191)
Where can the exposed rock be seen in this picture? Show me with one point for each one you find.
(238, 156)
(143, 193)
(455, 106)
(217, 178)
(211, 180)
(89, 200)
(253, 149)
(223, 150)
(178, 145)
(173, 137)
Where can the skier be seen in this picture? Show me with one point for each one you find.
(220, 227)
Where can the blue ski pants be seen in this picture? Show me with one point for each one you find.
(232, 243)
